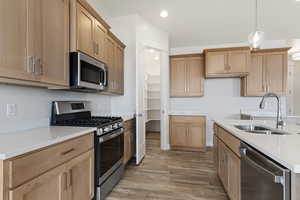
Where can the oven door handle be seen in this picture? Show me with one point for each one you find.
(111, 136)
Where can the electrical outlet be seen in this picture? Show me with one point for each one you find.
(11, 110)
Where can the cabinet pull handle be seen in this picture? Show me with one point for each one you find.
(67, 152)
(66, 181)
(71, 178)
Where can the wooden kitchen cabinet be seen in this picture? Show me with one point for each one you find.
(268, 73)
(129, 144)
(80, 179)
(227, 62)
(187, 75)
(228, 162)
(68, 175)
(49, 186)
(35, 42)
(115, 64)
(188, 132)
(88, 30)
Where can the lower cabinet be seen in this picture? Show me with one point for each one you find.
(73, 180)
(188, 132)
(129, 144)
(228, 165)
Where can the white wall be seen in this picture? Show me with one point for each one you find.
(34, 105)
(222, 98)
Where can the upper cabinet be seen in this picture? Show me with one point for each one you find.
(268, 73)
(88, 30)
(30, 31)
(187, 76)
(227, 62)
(91, 35)
(115, 63)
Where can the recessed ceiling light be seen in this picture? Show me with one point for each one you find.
(164, 14)
(151, 50)
(156, 58)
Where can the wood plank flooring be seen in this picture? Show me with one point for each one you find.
(170, 175)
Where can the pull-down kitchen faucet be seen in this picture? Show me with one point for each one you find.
(279, 121)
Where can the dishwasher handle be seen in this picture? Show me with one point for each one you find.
(277, 179)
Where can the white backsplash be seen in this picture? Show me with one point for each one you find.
(33, 105)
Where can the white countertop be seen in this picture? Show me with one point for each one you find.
(284, 149)
(21, 142)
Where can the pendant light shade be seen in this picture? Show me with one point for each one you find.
(256, 38)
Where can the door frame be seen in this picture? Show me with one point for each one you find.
(164, 93)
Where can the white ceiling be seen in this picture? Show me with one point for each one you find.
(208, 22)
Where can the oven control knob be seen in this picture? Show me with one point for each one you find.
(100, 131)
(115, 126)
(120, 124)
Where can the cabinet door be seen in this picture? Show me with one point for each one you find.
(85, 31)
(238, 61)
(81, 177)
(110, 54)
(49, 186)
(255, 81)
(196, 133)
(234, 181)
(276, 72)
(55, 34)
(223, 166)
(127, 146)
(178, 77)
(195, 76)
(99, 40)
(216, 153)
(216, 63)
(119, 69)
(13, 40)
(179, 137)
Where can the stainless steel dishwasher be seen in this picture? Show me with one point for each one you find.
(262, 178)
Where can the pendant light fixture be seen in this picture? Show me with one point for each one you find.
(256, 38)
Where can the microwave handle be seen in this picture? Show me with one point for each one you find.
(105, 78)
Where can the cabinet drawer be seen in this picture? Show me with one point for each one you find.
(186, 119)
(232, 142)
(31, 165)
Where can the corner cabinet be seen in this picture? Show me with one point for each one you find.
(227, 162)
(129, 144)
(268, 73)
(187, 75)
(188, 133)
(68, 176)
(30, 31)
(227, 62)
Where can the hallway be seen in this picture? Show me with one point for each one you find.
(170, 175)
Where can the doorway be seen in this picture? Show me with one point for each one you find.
(152, 99)
(152, 95)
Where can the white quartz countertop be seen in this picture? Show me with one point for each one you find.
(282, 148)
(21, 142)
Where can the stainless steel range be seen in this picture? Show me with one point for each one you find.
(109, 142)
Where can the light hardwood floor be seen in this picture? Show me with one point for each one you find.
(170, 175)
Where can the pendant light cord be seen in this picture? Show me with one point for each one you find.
(256, 15)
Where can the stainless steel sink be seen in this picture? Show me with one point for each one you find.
(259, 130)
(251, 128)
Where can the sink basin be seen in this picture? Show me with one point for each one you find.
(251, 128)
(259, 130)
(268, 132)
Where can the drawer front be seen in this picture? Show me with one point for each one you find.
(29, 166)
(187, 119)
(232, 142)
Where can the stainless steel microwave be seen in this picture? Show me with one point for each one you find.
(87, 72)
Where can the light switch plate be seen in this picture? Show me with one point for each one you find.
(11, 110)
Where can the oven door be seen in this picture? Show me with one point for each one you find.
(86, 72)
(109, 154)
